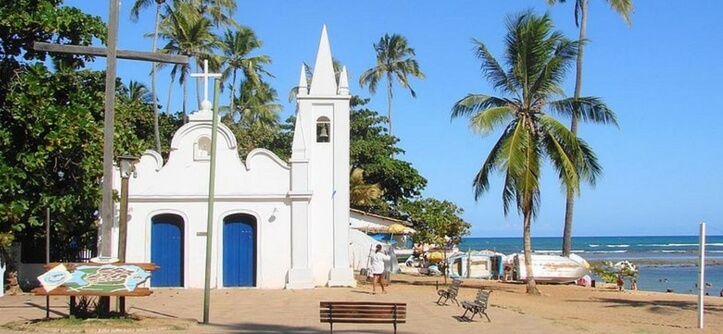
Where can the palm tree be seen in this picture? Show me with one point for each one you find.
(237, 47)
(624, 8)
(360, 193)
(137, 91)
(537, 59)
(394, 59)
(187, 34)
(135, 11)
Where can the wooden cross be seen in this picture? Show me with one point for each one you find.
(110, 75)
(205, 104)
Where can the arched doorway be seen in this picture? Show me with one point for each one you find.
(167, 250)
(239, 250)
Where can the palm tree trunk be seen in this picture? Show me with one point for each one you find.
(389, 102)
(156, 130)
(168, 100)
(527, 246)
(570, 199)
(232, 111)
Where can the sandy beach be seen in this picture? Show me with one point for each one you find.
(561, 309)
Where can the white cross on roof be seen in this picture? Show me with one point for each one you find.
(205, 75)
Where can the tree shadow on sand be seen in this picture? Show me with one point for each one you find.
(656, 304)
(278, 329)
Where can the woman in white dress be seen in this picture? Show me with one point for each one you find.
(377, 268)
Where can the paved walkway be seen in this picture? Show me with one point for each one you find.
(297, 311)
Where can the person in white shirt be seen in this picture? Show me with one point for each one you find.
(377, 268)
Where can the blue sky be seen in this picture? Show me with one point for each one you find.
(661, 76)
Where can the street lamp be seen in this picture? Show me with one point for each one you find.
(126, 164)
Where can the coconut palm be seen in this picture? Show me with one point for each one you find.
(137, 91)
(187, 34)
(395, 59)
(237, 47)
(360, 193)
(537, 59)
(135, 11)
(624, 8)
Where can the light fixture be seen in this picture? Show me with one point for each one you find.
(126, 165)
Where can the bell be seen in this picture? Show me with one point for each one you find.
(324, 134)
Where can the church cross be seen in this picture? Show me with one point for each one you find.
(205, 104)
(110, 75)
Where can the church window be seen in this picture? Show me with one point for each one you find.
(323, 130)
(202, 149)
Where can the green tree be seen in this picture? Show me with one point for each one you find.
(624, 8)
(23, 22)
(538, 59)
(237, 47)
(372, 150)
(395, 59)
(257, 122)
(436, 222)
(189, 34)
(362, 194)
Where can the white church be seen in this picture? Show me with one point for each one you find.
(276, 224)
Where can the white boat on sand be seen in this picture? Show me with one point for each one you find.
(551, 268)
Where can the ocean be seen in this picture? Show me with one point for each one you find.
(664, 262)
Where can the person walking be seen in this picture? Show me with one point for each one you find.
(377, 268)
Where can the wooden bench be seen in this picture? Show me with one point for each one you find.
(450, 293)
(478, 305)
(362, 313)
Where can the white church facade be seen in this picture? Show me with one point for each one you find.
(276, 224)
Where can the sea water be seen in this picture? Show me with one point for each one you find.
(665, 263)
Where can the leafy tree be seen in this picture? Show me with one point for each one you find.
(538, 59)
(624, 8)
(372, 150)
(395, 59)
(23, 22)
(436, 222)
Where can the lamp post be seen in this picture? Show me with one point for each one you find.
(126, 165)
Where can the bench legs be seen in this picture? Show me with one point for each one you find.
(474, 312)
(331, 327)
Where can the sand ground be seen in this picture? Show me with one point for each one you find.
(561, 309)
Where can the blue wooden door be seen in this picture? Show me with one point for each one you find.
(167, 251)
(239, 251)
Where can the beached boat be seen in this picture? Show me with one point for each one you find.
(551, 268)
(484, 264)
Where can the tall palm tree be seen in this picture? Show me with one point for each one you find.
(625, 9)
(537, 60)
(135, 11)
(187, 34)
(237, 47)
(394, 59)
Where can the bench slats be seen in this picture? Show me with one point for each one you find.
(363, 313)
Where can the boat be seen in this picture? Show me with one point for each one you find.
(551, 268)
(481, 264)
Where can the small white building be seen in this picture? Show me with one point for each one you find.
(276, 224)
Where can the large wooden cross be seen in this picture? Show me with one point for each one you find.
(110, 75)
